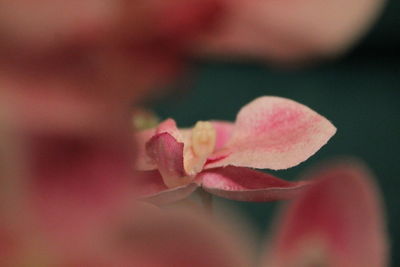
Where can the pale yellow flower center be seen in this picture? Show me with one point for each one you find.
(201, 145)
(203, 139)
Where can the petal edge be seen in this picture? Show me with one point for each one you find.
(244, 184)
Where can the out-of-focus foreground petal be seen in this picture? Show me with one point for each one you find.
(274, 133)
(75, 183)
(294, 30)
(147, 236)
(337, 222)
(80, 65)
(149, 186)
(143, 161)
(48, 24)
(178, 238)
(244, 184)
(51, 106)
(8, 188)
(16, 235)
(101, 44)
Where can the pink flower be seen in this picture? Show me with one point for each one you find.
(337, 222)
(270, 132)
(67, 184)
(91, 60)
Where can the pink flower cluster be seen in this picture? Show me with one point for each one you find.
(73, 181)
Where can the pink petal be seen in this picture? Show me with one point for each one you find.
(336, 222)
(167, 152)
(274, 133)
(224, 131)
(244, 184)
(144, 162)
(169, 126)
(150, 187)
(287, 31)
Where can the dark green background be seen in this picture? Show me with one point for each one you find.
(359, 93)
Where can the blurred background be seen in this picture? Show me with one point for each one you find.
(359, 93)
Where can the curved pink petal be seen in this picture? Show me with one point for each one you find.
(144, 161)
(150, 187)
(169, 126)
(274, 133)
(248, 185)
(167, 152)
(336, 222)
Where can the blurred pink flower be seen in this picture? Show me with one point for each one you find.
(70, 73)
(92, 60)
(338, 222)
(141, 236)
(269, 132)
(290, 31)
(176, 238)
(75, 183)
(66, 185)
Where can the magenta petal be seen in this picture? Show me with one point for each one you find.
(336, 222)
(167, 152)
(274, 133)
(150, 187)
(143, 161)
(244, 184)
